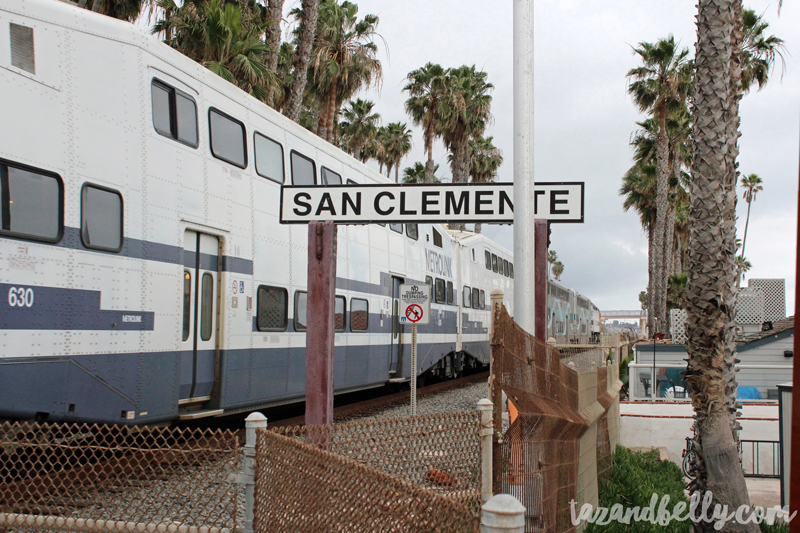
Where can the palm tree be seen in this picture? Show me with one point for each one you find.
(759, 51)
(300, 59)
(359, 127)
(344, 58)
(558, 269)
(710, 293)
(552, 258)
(752, 186)
(657, 88)
(127, 10)
(426, 87)
(484, 161)
(416, 174)
(396, 143)
(273, 33)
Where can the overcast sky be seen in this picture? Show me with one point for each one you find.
(584, 119)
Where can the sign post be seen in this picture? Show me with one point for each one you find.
(415, 308)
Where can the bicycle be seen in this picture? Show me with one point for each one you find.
(688, 458)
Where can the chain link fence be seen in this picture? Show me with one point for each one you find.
(81, 477)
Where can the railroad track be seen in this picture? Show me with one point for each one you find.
(382, 402)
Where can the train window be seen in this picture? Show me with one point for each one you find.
(396, 227)
(441, 293)
(359, 314)
(304, 172)
(207, 307)
(412, 230)
(339, 307)
(329, 177)
(467, 296)
(187, 303)
(429, 281)
(101, 218)
(437, 238)
(31, 203)
(271, 312)
(483, 299)
(488, 260)
(494, 263)
(505, 267)
(511, 270)
(227, 138)
(269, 158)
(300, 305)
(174, 113)
(450, 295)
(476, 298)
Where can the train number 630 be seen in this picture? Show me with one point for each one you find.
(20, 297)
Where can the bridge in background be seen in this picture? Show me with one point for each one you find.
(624, 314)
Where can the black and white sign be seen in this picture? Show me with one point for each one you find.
(415, 304)
(410, 203)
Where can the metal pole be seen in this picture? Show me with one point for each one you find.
(503, 514)
(413, 369)
(496, 396)
(524, 207)
(540, 257)
(794, 462)
(487, 430)
(253, 422)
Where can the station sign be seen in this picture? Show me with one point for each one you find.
(426, 203)
(415, 304)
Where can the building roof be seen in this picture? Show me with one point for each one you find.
(780, 329)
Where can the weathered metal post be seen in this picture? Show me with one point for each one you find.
(503, 514)
(253, 422)
(414, 369)
(486, 433)
(794, 465)
(495, 394)
(541, 241)
(320, 322)
(524, 197)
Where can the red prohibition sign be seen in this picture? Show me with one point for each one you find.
(414, 313)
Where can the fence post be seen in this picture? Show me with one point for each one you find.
(495, 395)
(253, 422)
(503, 513)
(486, 432)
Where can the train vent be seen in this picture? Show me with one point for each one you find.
(22, 48)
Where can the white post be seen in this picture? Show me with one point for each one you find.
(524, 306)
(485, 406)
(503, 514)
(253, 422)
(413, 369)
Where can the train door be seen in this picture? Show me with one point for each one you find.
(396, 342)
(200, 300)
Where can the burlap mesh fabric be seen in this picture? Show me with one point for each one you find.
(70, 473)
(439, 452)
(303, 488)
(538, 454)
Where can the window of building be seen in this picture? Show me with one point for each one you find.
(339, 307)
(441, 294)
(359, 314)
(511, 270)
(207, 307)
(174, 113)
(272, 308)
(450, 295)
(505, 268)
(476, 298)
(412, 230)
(396, 227)
(483, 299)
(31, 203)
(429, 281)
(437, 238)
(329, 177)
(304, 172)
(227, 138)
(494, 263)
(187, 302)
(101, 218)
(300, 309)
(467, 297)
(269, 158)
(488, 260)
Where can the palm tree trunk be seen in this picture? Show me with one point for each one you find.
(397, 172)
(302, 54)
(332, 94)
(429, 164)
(460, 169)
(746, 223)
(273, 34)
(651, 259)
(478, 227)
(711, 295)
(662, 212)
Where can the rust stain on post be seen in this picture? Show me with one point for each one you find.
(540, 279)
(320, 322)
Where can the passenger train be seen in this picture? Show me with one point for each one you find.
(145, 275)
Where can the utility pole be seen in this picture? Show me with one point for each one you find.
(524, 286)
